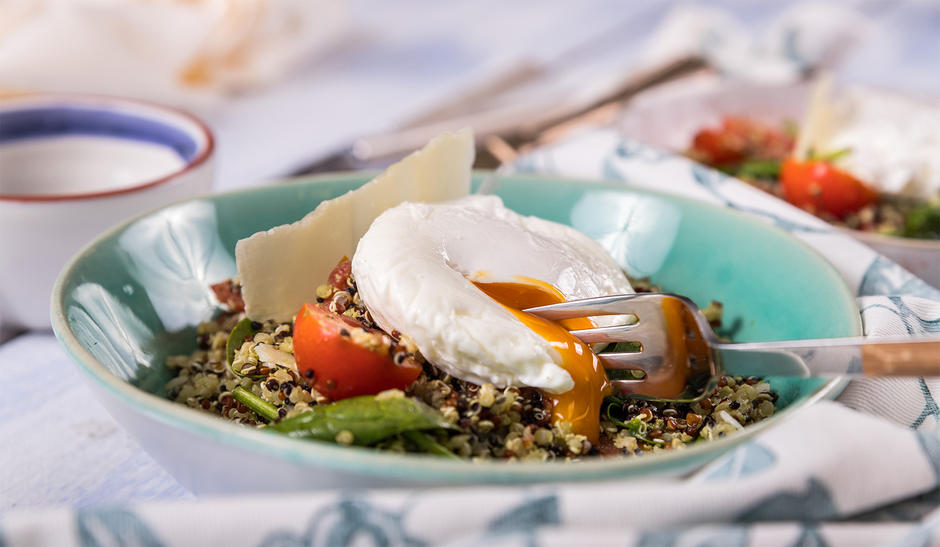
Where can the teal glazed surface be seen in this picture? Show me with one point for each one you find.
(136, 294)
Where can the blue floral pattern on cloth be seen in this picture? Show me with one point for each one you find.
(347, 522)
(713, 181)
(886, 277)
(103, 527)
(814, 503)
(745, 461)
(523, 521)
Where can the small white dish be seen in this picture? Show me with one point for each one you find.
(70, 167)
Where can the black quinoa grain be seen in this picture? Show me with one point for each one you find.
(474, 408)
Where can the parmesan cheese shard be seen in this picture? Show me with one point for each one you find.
(819, 123)
(281, 268)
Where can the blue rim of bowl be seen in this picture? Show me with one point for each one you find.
(37, 116)
(415, 467)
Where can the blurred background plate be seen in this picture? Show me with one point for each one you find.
(668, 117)
(135, 295)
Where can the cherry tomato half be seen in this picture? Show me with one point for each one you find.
(820, 187)
(346, 359)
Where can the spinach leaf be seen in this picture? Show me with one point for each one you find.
(638, 428)
(923, 222)
(830, 156)
(759, 169)
(427, 444)
(635, 426)
(242, 330)
(369, 419)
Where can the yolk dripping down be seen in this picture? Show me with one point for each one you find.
(580, 406)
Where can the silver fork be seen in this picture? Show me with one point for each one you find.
(681, 359)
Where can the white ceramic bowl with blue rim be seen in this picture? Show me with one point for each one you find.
(71, 166)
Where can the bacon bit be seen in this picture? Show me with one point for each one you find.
(339, 277)
(229, 295)
(606, 447)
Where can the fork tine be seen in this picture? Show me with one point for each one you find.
(618, 304)
(631, 360)
(618, 333)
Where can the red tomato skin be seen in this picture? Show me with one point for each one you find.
(739, 139)
(717, 147)
(341, 367)
(821, 187)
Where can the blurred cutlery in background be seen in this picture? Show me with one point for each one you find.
(503, 121)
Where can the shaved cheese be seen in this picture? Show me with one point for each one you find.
(818, 124)
(280, 268)
(270, 354)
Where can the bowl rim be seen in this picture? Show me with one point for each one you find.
(911, 243)
(172, 115)
(413, 467)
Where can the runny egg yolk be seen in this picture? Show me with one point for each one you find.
(581, 405)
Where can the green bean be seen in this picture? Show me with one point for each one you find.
(368, 418)
(255, 403)
(427, 443)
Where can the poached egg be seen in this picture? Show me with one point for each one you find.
(454, 278)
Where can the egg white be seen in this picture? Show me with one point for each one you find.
(414, 269)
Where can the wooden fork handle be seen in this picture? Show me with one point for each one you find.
(858, 356)
(920, 358)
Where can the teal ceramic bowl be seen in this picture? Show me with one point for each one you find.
(135, 295)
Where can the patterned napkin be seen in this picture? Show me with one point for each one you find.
(865, 469)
